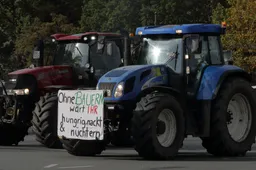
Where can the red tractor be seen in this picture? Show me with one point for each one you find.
(30, 95)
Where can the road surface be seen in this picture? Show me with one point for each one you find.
(30, 155)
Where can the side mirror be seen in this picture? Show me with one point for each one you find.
(38, 53)
(228, 59)
(100, 48)
(193, 44)
(109, 49)
(100, 45)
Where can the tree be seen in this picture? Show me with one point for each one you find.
(123, 14)
(41, 30)
(93, 15)
(164, 10)
(241, 36)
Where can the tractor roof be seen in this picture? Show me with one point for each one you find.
(180, 29)
(60, 37)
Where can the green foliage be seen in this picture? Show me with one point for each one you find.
(122, 14)
(93, 15)
(41, 30)
(219, 14)
(23, 22)
(241, 35)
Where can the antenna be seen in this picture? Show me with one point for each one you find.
(155, 18)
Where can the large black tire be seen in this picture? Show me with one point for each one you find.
(144, 123)
(220, 142)
(45, 121)
(12, 133)
(83, 148)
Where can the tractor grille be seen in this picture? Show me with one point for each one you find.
(107, 86)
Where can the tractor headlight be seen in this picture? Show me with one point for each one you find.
(18, 91)
(119, 90)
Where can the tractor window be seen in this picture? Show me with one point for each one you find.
(162, 50)
(214, 48)
(197, 59)
(110, 59)
(75, 54)
(113, 59)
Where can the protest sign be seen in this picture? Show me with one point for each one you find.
(80, 114)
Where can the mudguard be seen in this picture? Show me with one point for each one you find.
(214, 76)
(159, 88)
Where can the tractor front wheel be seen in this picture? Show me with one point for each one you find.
(233, 120)
(158, 126)
(45, 121)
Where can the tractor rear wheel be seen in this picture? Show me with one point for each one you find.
(12, 133)
(233, 120)
(45, 121)
(83, 148)
(158, 126)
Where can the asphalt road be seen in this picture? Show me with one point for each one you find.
(30, 155)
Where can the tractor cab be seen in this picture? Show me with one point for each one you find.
(90, 55)
(185, 50)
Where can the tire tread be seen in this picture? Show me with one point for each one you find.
(43, 124)
(218, 143)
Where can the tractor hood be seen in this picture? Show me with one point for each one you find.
(133, 79)
(121, 73)
(42, 76)
(38, 70)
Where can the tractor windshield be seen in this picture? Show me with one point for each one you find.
(71, 54)
(161, 50)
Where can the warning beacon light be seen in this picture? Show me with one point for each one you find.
(223, 24)
(223, 27)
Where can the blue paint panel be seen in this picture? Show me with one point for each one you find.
(116, 73)
(186, 29)
(135, 70)
(210, 79)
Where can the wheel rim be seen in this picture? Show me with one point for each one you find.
(167, 119)
(239, 117)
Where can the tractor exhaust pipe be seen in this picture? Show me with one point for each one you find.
(127, 46)
(38, 53)
(127, 51)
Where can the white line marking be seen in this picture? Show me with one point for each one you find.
(74, 167)
(204, 151)
(50, 166)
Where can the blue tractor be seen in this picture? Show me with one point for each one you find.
(179, 86)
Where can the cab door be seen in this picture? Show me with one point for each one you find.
(197, 62)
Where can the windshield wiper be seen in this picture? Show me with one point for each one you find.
(176, 56)
(79, 51)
